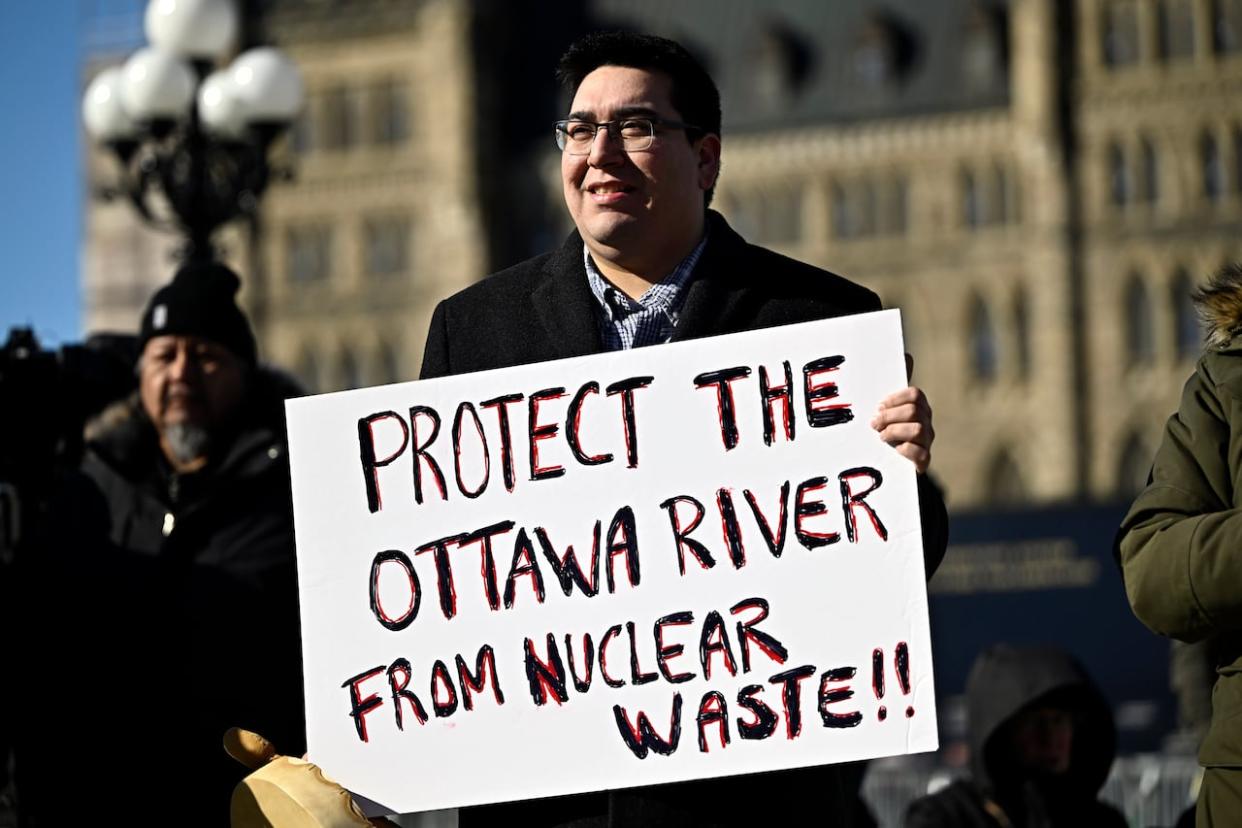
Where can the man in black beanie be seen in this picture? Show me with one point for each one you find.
(176, 572)
(197, 353)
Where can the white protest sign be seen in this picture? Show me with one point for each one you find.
(624, 569)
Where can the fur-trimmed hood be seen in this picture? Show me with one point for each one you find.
(1219, 304)
(123, 437)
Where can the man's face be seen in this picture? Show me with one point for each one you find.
(1043, 739)
(187, 380)
(644, 204)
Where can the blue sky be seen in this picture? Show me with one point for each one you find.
(41, 48)
(41, 218)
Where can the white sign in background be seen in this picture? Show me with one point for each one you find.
(849, 678)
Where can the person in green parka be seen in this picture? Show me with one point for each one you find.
(1180, 545)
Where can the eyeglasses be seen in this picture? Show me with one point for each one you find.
(636, 134)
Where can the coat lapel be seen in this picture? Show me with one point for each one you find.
(722, 297)
(565, 304)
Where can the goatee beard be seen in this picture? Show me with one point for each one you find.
(187, 442)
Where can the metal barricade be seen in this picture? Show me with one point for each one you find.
(1151, 790)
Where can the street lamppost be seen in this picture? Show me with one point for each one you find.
(191, 136)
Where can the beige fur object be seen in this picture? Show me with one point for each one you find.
(286, 792)
(1219, 304)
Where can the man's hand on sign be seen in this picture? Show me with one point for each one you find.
(904, 421)
(284, 791)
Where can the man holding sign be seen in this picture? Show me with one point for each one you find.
(649, 263)
(553, 669)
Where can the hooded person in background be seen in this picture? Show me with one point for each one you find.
(173, 555)
(1042, 741)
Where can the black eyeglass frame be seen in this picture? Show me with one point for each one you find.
(614, 131)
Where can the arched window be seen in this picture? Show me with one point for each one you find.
(302, 136)
(1140, 334)
(308, 252)
(883, 51)
(868, 208)
(388, 369)
(1212, 167)
(984, 355)
(1151, 172)
(1003, 481)
(386, 246)
(1187, 335)
(348, 375)
(993, 206)
(1003, 208)
(844, 224)
(984, 47)
(308, 370)
(896, 213)
(1014, 198)
(1120, 33)
(972, 200)
(1175, 29)
(781, 214)
(872, 63)
(1226, 26)
(779, 62)
(1022, 334)
(341, 120)
(741, 209)
(390, 112)
(1119, 187)
(1133, 467)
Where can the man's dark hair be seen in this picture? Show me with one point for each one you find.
(694, 94)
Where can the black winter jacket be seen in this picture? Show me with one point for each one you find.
(184, 621)
(543, 309)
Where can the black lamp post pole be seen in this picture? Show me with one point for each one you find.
(195, 220)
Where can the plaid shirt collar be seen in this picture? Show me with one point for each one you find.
(650, 319)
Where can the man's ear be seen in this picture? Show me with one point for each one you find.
(709, 160)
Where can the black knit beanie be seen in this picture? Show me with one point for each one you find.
(199, 302)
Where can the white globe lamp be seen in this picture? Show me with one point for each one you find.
(268, 85)
(156, 85)
(200, 30)
(105, 117)
(219, 108)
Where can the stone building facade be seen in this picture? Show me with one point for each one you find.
(957, 216)
(1037, 184)
(1159, 134)
(382, 218)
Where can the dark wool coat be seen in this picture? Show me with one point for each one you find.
(543, 309)
(185, 622)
